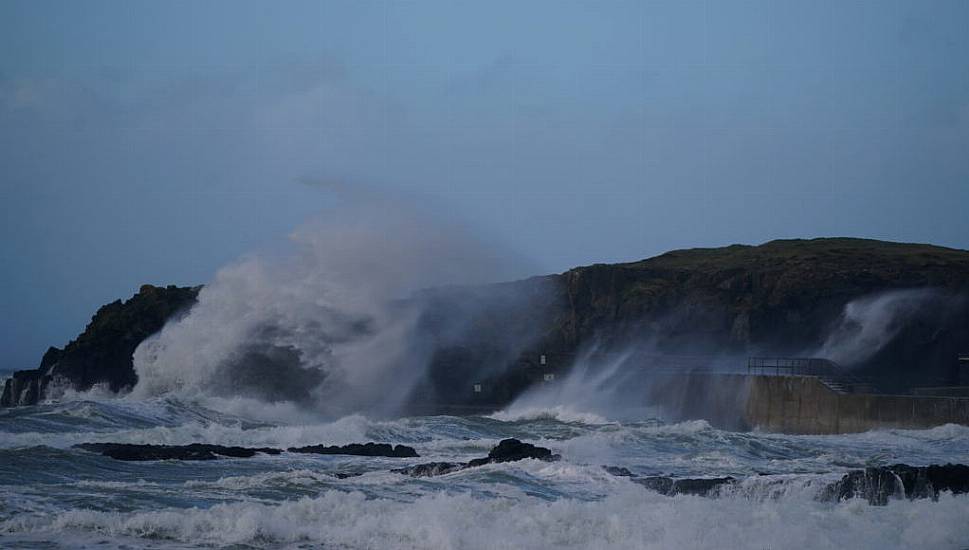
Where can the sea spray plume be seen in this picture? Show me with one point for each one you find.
(635, 383)
(481, 334)
(869, 323)
(327, 325)
(589, 389)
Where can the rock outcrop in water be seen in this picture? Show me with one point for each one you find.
(703, 486)
(102, 354)
(200, 451)
(877, 484)
(366, 449)
(508, 450)
(195, 451)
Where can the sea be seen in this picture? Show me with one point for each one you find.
(53, 495)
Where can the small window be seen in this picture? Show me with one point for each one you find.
(542, 360)
(477, 388)
(549, 377)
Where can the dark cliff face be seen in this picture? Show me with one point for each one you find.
(783, 297)
(780, 297)
(103, 352)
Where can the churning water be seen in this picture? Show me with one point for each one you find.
(55, 496)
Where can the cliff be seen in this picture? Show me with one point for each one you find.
(103, 352)
(785, 297)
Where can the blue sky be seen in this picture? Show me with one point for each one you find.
(146, 141)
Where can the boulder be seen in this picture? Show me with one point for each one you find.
(508, 450)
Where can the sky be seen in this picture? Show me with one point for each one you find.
(153, 142)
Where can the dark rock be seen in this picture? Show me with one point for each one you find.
(195, 451)
(880, 484)
(200, 451)
(102, 354)
(706, 487)
(508, 450)
(344, 475)
(357, 449)
(877, 484)
(618, 471)
(659, 484)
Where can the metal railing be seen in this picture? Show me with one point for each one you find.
(793, 366)
(828, 372)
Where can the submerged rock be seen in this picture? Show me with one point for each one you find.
(669, 486)
(877, 484)
(431, 469)
(357, 449)
(618, 471)
(704, 487)
(195, 451)
(880, 484)
(508, 450)
(201, 451)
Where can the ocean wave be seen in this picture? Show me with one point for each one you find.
(627, 518)
(560, 413)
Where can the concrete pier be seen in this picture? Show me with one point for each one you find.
(804, 405)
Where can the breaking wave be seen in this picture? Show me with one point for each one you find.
(628, 518)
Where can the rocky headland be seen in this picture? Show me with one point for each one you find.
(783, 297)
(102, 354)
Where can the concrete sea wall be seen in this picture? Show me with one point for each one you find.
(804, 405)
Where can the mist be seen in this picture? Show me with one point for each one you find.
(870, 323)
(331, 323)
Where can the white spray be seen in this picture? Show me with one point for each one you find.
(869, 323)
(326, 326)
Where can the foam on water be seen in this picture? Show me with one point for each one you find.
(558, 412)
(53, 495)
(627, 518)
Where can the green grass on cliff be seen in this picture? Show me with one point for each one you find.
(844, 253)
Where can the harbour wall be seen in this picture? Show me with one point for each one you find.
(804, 405)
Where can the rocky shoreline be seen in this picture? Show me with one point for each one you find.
(878, 485)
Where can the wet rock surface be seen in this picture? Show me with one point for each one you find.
(878, 484)
(508, 450)
(200, 451)
(704, 487)
(357, 449)
(431, 469)
(195, 451)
